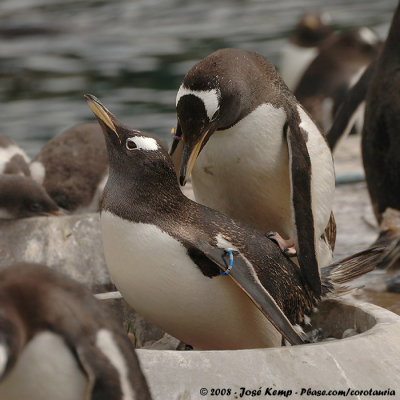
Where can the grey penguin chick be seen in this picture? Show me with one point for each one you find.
(73, 168)
(22, 197)
(57, 342)
(312, 30)
(13, 160)
(254, 153)
(205, 278)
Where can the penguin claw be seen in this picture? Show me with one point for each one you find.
(287, 246)
(289, 252)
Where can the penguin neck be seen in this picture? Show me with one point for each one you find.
(142, 195)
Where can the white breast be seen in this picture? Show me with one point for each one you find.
(7, 153)
(244, 172)
(159, 280)
(46, 369)
(294, 62)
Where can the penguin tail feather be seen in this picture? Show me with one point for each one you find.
(382, 254)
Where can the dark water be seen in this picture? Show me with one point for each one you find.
(133, 54)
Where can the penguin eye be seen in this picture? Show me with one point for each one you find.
(35, 207)
(130, 144)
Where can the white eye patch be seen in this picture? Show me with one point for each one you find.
(143, 143)
(210, 99)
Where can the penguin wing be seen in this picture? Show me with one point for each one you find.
(300, 181)
(345, 116)
(103, 381)
(245, 276)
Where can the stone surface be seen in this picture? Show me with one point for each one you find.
(70, 244)
(370, 360)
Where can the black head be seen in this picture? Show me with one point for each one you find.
(138, 164)
(312, 29)
(22, 197)
(217, 93)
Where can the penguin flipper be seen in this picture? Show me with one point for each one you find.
(244, 275)
(344, 117)
(300, 182)
(103, 381)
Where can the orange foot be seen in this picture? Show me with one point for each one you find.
(287, 246)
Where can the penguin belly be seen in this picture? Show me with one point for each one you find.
(244, 172)
(46, 369)
(160, 281)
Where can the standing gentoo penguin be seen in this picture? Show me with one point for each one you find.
(380, 142)
(73, 168)
(165, 253)
(58, 343)
(341, 61)
(380, 136)
(13, 160)
(303, 46)
(260, 158)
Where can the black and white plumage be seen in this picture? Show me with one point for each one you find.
(341, 61)
(57, 342)
(165, 254)
(255, 154)
(73, 168)
(312, 30)
(13, 160)
(379, 87)
(20, 195)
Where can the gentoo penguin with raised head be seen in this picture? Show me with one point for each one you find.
(13, 160)
(73, 168)
(255, 154)
(22, 197)
(303, 46)
(340, 63)
(205, 278)
(58, 343)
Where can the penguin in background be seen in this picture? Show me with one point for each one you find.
(312, 30)
(340, 63)
(73, 168)
(255, 154)
(13, 160)
(57, 342)
(379, 87)
(205, 278)
(20, 195)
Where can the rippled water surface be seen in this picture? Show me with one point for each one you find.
(133, 54)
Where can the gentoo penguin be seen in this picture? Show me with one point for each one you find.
(13, 160)
(205, 278)
(21, 197)
(73, 168)
(303, 46)
(255, 154)
(341, 61)
(57, 342)
(380, 136)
